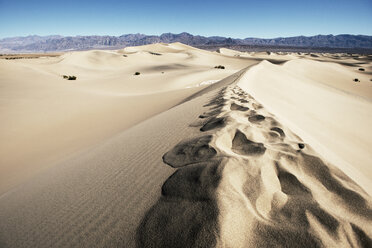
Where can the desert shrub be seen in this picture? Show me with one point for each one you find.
(158, 54)
(137, 73)
(356, 80)
(361, 69)
(69, 77)
(125, 55)
(268, 53)
(219, 67)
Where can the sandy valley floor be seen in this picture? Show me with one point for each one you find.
(275, 150)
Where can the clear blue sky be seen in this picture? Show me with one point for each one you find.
(233, 18)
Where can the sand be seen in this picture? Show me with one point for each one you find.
(46, 118)
(276, 154)
(302, 90)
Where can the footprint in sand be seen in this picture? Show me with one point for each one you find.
(278, 130)
(189, 152)
(214, 123)
(256, 118)
(242, 145)
(194, 182)
(238, 107)
(191, 209)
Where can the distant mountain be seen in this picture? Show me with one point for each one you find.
(36, 43)
(332, 41)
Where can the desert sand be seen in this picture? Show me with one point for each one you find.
(46, 118)
(273, 151)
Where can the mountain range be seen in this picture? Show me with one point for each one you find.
(35, 43)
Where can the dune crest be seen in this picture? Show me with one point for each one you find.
(319, 102)
(249, 181)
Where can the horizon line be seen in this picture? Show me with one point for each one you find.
(249, 37)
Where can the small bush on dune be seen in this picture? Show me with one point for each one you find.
(69, 77)
(356, 80)
(137, 73)
(219, 67)
(361, 69)
(157, 54)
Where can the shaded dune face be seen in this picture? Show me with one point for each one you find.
(251, 182)
(186, 215)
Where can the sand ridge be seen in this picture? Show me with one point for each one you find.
(248, 181)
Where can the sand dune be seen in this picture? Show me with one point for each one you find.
(251, 182)
(276, 154)
(158, 48)
(320, 103)
(66, 117)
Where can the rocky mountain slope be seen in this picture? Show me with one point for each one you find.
(36, 43)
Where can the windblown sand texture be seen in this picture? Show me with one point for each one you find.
(66, 117)
(273, 151)
(248, 181)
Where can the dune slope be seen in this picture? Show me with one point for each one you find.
(98, 197)
(248, 181)
(66, 117)
(321, 103)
